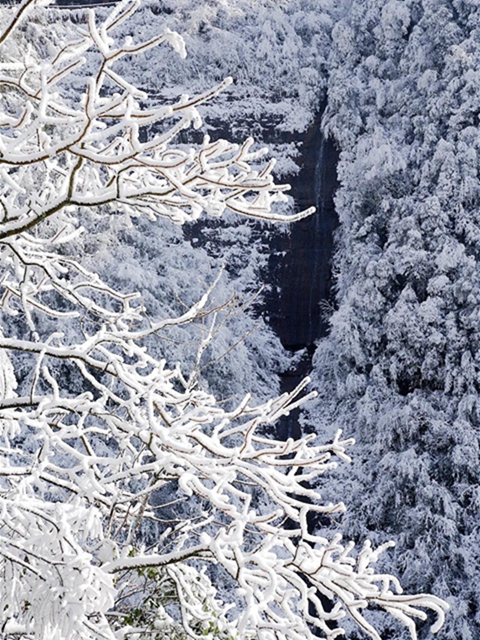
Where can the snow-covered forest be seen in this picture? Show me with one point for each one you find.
(401, 364)
(143, 493)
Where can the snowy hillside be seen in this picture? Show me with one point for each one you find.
(401, 366)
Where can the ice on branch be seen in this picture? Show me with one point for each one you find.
(56, 153)
(128, 495)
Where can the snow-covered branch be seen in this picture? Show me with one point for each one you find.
(57, 153)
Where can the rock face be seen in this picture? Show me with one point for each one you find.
(304, 271)
(302, 264)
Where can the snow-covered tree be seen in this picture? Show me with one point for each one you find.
(132, 503)
(401, 364)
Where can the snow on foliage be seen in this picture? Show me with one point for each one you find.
(401, 364)
(128, 494)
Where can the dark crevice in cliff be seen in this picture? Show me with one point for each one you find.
(300, 263)
(301, 259)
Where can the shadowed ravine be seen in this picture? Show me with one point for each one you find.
(303, 274)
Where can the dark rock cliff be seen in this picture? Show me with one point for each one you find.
(301, 263)
(303, 273)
